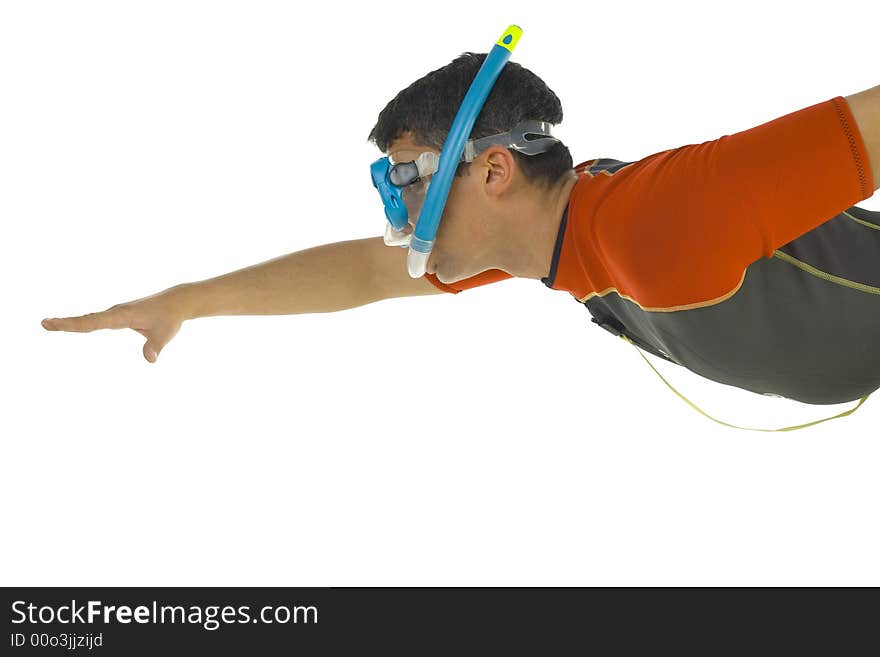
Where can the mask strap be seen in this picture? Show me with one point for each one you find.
(515, 139)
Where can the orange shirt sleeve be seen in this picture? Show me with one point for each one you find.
(483, 278)
(694, 217)
(793, 173)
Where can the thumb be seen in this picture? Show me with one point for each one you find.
(151, 350)
(157, 339)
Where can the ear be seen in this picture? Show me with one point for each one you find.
(498, 166)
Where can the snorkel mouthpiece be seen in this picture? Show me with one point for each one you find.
(422, 241)
(419, 252)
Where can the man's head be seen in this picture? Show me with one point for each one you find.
(482, 219)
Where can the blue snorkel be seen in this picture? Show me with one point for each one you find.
(422, 241)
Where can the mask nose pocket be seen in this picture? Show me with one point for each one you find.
(413, 198)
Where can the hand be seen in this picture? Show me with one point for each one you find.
(158, 318)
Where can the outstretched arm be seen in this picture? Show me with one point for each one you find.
(322, 279)
(865, 107)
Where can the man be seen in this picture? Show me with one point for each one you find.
(742, 259)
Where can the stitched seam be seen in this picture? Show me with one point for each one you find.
(661, 309)
(864, 222)
(852, 146)
(818, 273)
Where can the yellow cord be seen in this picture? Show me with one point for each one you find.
(792, 428)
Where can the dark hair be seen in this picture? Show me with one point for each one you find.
(427, 107)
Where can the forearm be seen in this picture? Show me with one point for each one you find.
(324, 278)
(865, 107)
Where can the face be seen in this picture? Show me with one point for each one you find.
(460, 247)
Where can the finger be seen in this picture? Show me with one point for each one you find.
(112, 319)
(156, 340)
(151, 352)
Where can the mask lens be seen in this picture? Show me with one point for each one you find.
(404, 173)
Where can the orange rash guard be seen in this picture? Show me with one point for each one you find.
(704, 253)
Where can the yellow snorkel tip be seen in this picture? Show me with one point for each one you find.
(510, 37)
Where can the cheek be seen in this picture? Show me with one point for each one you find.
(458, 226)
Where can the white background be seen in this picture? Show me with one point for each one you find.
(148, 144)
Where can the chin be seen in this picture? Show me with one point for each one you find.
(449, 280)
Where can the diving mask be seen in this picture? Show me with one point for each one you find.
(403, 185)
